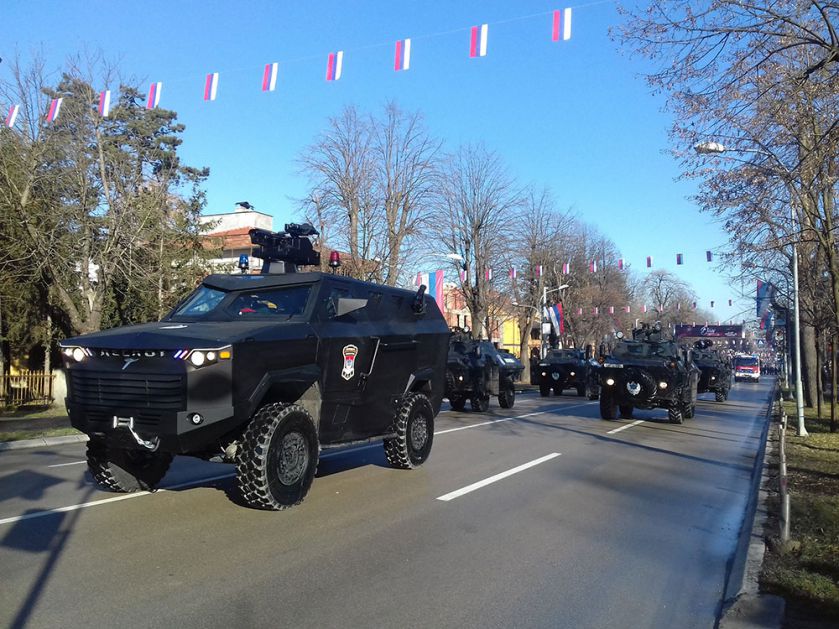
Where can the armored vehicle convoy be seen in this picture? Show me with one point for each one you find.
(564, 369)
(475, 370)
(715, 371)
(262, 371)
(648, 372)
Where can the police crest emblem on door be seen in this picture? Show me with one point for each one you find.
(350, 352)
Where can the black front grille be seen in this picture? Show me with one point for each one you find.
(128, 391)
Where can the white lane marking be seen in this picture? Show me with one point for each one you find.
(492, 479)
(66, 464)
(138, 494)
(509, 419)
(635, 423)
(93, 503)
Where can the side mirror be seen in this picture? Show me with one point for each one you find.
(346, 305)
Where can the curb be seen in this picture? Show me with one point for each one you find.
(744, 607)
(43, 441)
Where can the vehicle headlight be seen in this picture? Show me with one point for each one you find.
(662, 385)
(78, 354)
(204, 357)
(544, 373)
(610, 381)
(572, 373)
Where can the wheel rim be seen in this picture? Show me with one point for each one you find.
(294, 458)
(419, 433)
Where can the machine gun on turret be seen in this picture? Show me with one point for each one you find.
(647, 332)
(283, 252)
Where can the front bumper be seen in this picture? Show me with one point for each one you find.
(747, 375)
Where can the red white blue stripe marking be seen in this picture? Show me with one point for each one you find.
(12, 116)
(478, 41)
(334, 65)
(561, 25)
(105, 103)
(154, 95)
(211, 86)
(269, 77)
(55, 107)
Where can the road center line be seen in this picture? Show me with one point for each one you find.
(66, 464)
(93, 503)
(508, 419)
(635, 423)
(492, 479)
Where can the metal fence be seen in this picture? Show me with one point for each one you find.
(29, 388)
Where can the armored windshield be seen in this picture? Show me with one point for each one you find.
(279, 304)
(630, 349)
(565, 354)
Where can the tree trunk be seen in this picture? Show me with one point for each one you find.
(525, 325)
(48, 346)
(808, 364)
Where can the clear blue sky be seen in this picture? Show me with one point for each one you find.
(574, 116)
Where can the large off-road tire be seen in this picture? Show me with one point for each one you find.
(458, 403)
(608, 407)
(414, 428)
(125, 471)
(507, 397)
(675, 415)
(689, 411)
(544, 390)
(719, 396)
(276, 463)
(480, 403)
(626, 411)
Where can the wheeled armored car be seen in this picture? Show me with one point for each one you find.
(262, 371)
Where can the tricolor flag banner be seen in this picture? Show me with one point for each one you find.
(592, 267)
(12, 116)
(434, 283)
(709, 256)
(211, 86)
(596, 311)
(712, 303)
(679, 258)
(644, 308)
(488, 275)
(269, 77)
(55, 107)
(463, 276)
(620, 264)
(478, 41)
(678, 306)
(561, 23)
(579, 311)
(649, 262)
(611, 310)
(105, 103)
(693, 305)
(555, 317)
(402, 59)
(154, 95)
(537, 272)
(513, 274)
(334, 65)
(627, 309)
(566, 268)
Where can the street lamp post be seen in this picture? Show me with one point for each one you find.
(715, 148)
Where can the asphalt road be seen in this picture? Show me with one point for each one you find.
(541, 516)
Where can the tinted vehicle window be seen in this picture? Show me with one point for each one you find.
(203, 301)
(280, 303)
(565, 354)
(746, 361)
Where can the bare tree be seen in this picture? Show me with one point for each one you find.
(477, 199)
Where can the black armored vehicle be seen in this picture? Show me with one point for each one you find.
(562, 369)
(715, 376)
(648, 372)
(475, 370)
(262, 371)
